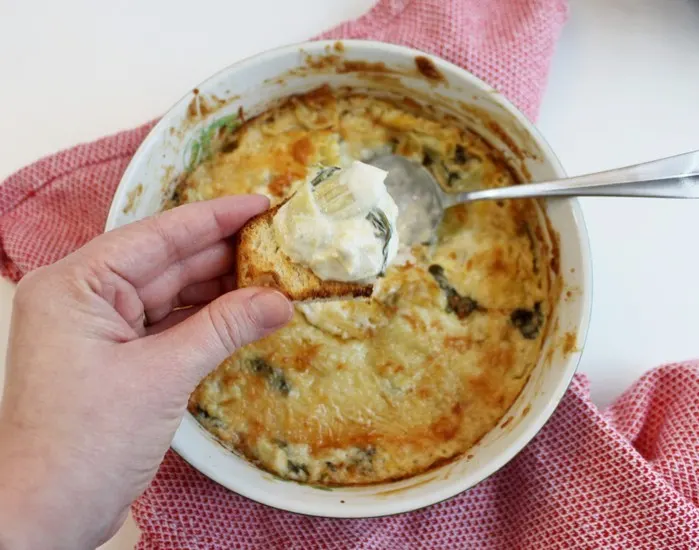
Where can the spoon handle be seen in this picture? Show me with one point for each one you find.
(672, 177)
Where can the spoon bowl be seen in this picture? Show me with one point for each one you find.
(417, 195)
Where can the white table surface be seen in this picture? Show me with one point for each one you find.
(624, 88)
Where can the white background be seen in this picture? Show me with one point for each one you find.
(624, 88)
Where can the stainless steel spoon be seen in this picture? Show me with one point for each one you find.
(421, 201)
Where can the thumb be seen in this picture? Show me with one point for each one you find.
(199, 344)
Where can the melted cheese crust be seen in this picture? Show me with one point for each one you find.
(367, 391)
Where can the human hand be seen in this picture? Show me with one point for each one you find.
(101, 362)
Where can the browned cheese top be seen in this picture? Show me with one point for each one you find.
(365, 391)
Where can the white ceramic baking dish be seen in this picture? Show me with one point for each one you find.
(256, 83)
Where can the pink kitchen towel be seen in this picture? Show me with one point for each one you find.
(625, 478)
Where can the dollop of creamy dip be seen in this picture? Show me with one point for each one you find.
(350, 245)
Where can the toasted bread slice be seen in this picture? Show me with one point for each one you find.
(260, 262)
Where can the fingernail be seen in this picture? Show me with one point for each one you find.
(271, 308)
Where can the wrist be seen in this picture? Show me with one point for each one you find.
(31, 515)
(42, 503)
(15, 533)
(15, 495)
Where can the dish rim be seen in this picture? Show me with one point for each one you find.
(391, 506)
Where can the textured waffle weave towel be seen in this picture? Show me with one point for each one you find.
(623, 479)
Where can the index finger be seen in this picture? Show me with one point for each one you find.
(142, 250)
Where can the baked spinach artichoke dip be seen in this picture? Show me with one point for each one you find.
(370, 390)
